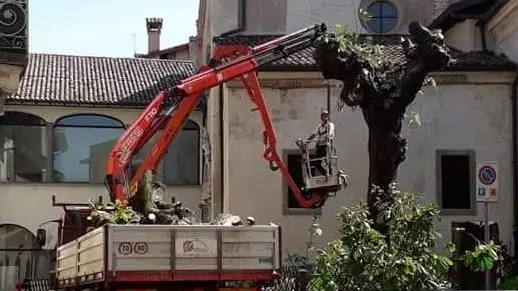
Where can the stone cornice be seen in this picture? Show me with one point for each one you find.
(300, 80)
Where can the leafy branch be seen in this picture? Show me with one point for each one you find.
(304, 260)
(483, 258)
(111, 213)
(404, 258)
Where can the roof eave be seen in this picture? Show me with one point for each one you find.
(81, 105)
(451, 16)
(492, 12)
(163, 51)
(462, 68)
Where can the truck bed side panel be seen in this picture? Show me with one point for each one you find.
(90, 254)
(250, 249)
(66, 261)
(169, 250)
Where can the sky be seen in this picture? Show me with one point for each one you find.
(112, 28)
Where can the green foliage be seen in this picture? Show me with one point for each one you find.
(370, 55)
(413, 118)
(482, 258)
(113, 213)
(509, 284)
(304, 260)
(508, 267)
(363, 48)
(364, 16)
(364, 259)
(404, 259)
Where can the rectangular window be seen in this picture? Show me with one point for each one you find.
(456, 182)
(293, 160)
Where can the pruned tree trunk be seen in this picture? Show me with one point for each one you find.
(383, 93)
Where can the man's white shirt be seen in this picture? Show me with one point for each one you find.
(323, 132)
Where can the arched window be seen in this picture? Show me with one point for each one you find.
(21, 256)
(81, 144)
(384, 17)
(181, 163)
(23, 147)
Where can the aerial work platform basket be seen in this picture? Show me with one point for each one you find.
(332, 180)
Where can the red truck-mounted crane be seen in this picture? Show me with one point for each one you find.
(206, 257)
(228, 62)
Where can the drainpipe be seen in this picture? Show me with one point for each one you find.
(481, 23)
(514, 113)
(483, 36)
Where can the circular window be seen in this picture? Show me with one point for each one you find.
(383, 17)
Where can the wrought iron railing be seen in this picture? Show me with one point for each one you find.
(14, 18)
(36, 285)
(293, 278)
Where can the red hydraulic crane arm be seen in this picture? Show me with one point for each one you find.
(227, 63)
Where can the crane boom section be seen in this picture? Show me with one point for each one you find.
(227, 63)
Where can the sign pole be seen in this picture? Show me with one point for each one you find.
(487, 192)
(486, 239)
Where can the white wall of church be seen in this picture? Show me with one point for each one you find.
(472, 115)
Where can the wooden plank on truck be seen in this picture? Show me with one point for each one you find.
(90, 256)
(66, 263)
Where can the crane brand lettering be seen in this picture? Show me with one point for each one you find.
(128, 143)
(149, 116)
(195, 246)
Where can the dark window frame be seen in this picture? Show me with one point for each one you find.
(287, 210)
(61, 123)
(33, 121)
(189, 125)
(379, 30)
(472, 176)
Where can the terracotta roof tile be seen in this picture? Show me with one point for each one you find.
(85, 80)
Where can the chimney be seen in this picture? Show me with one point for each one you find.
(154, 27)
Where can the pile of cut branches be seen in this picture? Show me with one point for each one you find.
(147, 206)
